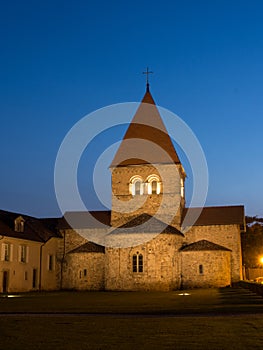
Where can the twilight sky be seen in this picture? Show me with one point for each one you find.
(61, 60)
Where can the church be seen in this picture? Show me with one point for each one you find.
(147, 248)
(146, 241)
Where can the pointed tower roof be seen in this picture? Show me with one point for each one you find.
(146, 140)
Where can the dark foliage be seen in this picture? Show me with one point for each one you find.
(252, 242)
(253, 219)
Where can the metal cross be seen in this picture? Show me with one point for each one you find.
(147, 77)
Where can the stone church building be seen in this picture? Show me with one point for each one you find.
(142, 243)
(148, 248)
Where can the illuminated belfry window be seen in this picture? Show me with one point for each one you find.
(182, 188)
(136, 185)
(153, 185)
(137, 262)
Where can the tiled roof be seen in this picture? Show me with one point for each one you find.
(34, 229)
(88, 247)
(147, 126)
(223, 215)
(203, 245)
(147, 224)
(85, 219)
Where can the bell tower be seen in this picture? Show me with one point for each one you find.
(146, 174)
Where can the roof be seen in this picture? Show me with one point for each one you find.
(38, 230)
(147, 224)
(203, 245)
(85, 219)
(224, 215)
(88, 247)
(154, 145)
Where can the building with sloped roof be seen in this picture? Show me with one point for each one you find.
(28, 250)
(146, 246)
(147, 241)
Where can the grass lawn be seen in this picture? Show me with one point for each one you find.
(213, 319)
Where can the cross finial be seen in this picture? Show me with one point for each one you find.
(147, 78)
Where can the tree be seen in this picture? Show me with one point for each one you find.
(252, 242)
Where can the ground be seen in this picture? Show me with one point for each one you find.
(227, 318)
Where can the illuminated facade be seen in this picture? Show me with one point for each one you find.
(49, 254)
(152, 180)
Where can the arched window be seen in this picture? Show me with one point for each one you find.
(136, 185)
(153, 184)
(182, 188)
(137, 262)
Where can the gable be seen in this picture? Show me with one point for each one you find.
(88, 247)
(146, 223)
(203, 245)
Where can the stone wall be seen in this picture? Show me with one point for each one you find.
(84, 271)
(72, 240)
(162, 261)
(161, 265)
(71, 266)
(252, 273)
(69, 241)
(203, 269)
(226, 235)
(168, 203)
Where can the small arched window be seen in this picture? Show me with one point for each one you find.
(154, 187)
(182, 187)
(137, 262)
(153, 184)
(136, 186)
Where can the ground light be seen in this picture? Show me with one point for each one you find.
(184, 294)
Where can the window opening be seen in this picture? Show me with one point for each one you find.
(137, 263)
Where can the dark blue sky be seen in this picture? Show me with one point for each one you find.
(61, 60)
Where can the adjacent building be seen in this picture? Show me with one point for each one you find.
(28, 253)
